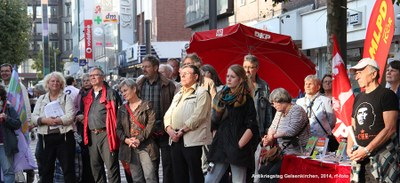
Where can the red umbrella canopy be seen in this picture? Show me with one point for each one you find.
(282, 64)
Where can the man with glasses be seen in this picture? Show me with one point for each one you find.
(6, 72)
(159, 90)
(206, 83)
(100, 107)
(375, 153)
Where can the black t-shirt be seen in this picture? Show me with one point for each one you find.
(368, 111)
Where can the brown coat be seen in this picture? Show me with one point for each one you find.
(166, 95)
(146, 117)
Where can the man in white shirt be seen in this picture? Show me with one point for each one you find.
(72, 91)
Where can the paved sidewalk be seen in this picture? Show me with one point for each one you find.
(123, 178)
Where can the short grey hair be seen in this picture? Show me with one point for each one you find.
(97, 68)
(57, 75)
(314, 78)
(39, 89)
(167, 67)
(280, 95)
(130, 83)
(252, 59)
(85, 76)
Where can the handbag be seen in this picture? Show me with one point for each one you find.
(333, 144)
(271, 154)
(275, 152)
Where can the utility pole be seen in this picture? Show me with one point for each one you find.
(55, 60)
(212, 14)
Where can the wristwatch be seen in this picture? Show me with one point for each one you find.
(367, 151)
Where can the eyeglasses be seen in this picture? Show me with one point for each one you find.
(249, 67)
(95, 75)
(146, 66)
(185, 73)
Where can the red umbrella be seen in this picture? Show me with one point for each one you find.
(282, 64)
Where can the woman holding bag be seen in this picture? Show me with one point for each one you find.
(290, 129)
(234, 118)
(135, 124)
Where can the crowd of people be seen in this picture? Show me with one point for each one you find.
(180, 115)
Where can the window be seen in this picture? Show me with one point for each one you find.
(67, 27)
(52, 11)
(39, 12)
(67, 11)
(67, 44)
(30, 11)
(54, 44)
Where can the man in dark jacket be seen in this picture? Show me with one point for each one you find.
(159, 90)
(100, 122)
(9, 121)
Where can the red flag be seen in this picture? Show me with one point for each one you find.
(342, 94)
(379, 33)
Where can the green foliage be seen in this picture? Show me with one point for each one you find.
(15, 31)
(38, 62)
(275, 2)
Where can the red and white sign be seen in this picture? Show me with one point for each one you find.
(380, 33)
(342, 95)
(88, 39)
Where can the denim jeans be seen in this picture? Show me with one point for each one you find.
(238, 173)
(7, 166)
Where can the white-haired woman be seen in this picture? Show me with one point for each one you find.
(290, 129)
(55, 131)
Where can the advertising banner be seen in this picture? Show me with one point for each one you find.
(88, 39)
(380, 33)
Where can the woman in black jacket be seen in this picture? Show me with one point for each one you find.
(234, 118)
(9, 121)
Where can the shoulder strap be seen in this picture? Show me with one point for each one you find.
(319, 122)
(133, 117)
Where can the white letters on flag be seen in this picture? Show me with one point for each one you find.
(342, 95)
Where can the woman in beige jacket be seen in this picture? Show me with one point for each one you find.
(54, 114)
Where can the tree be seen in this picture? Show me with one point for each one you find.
(15, 31)
(336, 24)
(38, 62)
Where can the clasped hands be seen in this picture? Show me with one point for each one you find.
(267, 140)
(132, 142)
(175, 134)
(52, 121)
(357, 155)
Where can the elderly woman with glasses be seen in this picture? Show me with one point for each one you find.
(289, 129)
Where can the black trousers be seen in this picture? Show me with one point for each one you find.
(61, 147)
(162, 143)
(186, 163)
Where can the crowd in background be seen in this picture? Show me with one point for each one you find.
(181, 116)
